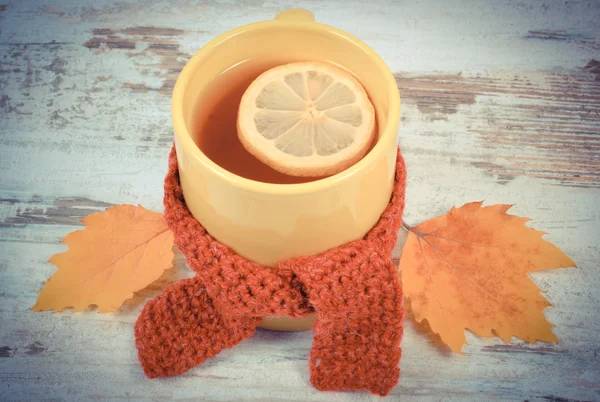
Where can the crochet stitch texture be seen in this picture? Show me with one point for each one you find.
(354, 290)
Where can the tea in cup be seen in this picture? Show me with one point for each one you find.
(264, 215)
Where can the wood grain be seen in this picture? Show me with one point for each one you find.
(543, 125)
(500, 101)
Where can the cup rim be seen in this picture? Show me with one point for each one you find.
(185, 138)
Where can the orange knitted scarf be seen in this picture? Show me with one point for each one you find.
(354, 289)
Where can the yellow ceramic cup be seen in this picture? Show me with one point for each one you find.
(265, 222)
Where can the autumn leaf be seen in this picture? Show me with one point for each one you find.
(119, 252)
(468, 270)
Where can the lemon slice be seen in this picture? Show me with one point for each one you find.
(306, 119)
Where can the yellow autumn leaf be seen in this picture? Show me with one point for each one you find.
(469, 270)
(119, 252)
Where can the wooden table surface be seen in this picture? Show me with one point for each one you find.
(501, 102)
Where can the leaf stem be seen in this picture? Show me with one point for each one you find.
(406, 227)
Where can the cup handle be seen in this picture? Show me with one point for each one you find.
(296, 15)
